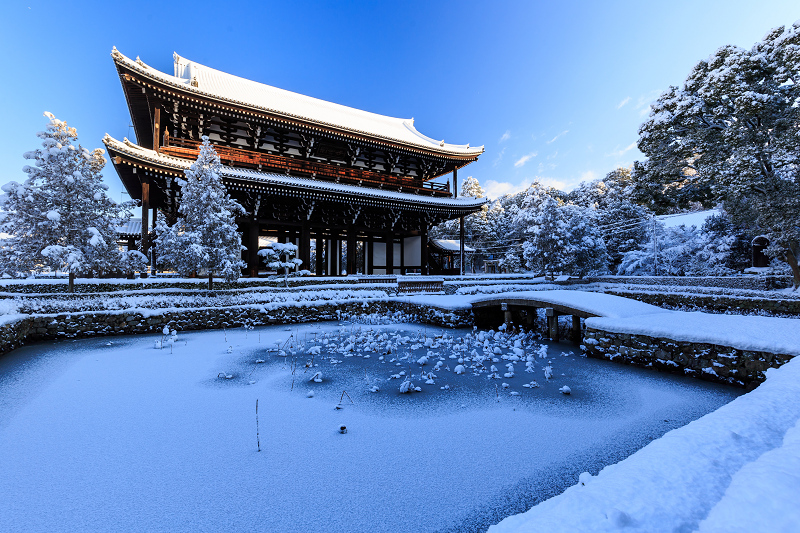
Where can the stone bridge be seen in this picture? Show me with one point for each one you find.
(520, 308)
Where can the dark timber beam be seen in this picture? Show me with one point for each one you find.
(252, 249)
(351, 251)
(145, 182)
(305, 248)
(156, 127)
(461, 242)
(390, 253)
(423, 252)
(320, 266)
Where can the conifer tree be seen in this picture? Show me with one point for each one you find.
(205, 236)
(730, 135)
(60, 217)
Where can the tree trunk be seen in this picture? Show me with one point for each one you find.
(791, 258)
(210, 280)
(72, 281)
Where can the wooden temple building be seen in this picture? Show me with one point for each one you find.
(307, 171)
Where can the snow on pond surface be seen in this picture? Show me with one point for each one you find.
(114, 434)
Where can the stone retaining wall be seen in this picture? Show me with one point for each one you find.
(15, 333)
(710, 362)
(752, 282)
(711, 302)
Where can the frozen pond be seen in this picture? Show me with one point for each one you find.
(114, 434)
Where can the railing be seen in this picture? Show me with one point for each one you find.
(187, 149)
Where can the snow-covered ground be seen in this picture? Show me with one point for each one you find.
(734, 470)
(116, 435)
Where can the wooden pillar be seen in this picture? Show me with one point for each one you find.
(461, 243)
(403, 256)
(334, 255)
(156, 127)
(282, 236)
(423, 251)
(305, 248)
(455, 182)
(320, 266)
(145, 245)
(252, 249)
(390, 253)
(351, 251)
(369, 253)
(576, 328)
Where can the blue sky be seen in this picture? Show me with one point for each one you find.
(556, 91)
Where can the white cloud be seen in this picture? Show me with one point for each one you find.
(524, 159)
(644, 101)
(506, 136)
(620, 153)
(623, 102)
(589, 175)
(557, 136)
(546, 167)
(552, 182)
(499, 157)
(496, 189)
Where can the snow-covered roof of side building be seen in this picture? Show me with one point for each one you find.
(227, 87)
(132, 227)
(179, 165)
(696, 218)
(449, 245)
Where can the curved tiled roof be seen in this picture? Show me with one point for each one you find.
(179, 165)
(240, 91)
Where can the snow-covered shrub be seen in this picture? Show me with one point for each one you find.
(205, 237)
(282, 256)
(60, 217)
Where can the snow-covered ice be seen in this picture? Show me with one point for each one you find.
(733, 470)
(127, 437)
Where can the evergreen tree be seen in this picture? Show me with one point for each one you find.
(205, 237)
(282, 256)
(541, 225)
(60, 217)
(730, 135)
(584, 251)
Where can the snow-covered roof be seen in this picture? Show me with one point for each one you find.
(449, 245)
(687, 219)
(180, 165)
(227, 87)
(132, 227)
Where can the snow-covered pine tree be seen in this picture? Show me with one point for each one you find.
(730, 135)
(282, 255)
(584, 251)
(672, 254)
(205, 236)
(538, 219)
(60, 217)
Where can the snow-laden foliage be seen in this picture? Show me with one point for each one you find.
(282, 256)
(717, 248)
(474, 224)
(671, 253)
(205, 236)
(543, 229)
(584, 250)
(731, 134)
(60, 217)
